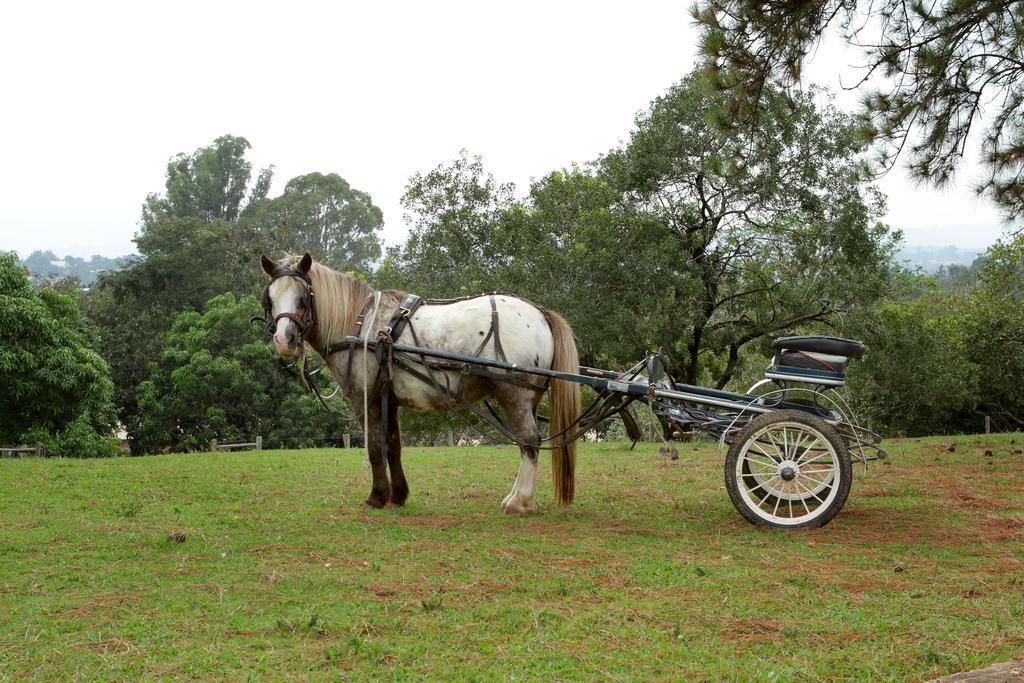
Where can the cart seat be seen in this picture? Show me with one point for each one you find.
(831, 345)
(813, 360)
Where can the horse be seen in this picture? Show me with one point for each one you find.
(308, 303)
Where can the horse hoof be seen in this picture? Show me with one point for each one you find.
(399, 496)
(376, 501)
(513, 508)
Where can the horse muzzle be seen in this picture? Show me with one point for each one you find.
(286, 341)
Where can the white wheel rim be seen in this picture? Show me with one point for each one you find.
(774, 486)
(793, 473)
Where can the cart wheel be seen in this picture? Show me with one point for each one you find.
(788, 469)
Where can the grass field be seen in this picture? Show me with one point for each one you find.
(651, 574)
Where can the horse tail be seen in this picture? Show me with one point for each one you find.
(564, 410)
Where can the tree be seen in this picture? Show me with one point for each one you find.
(191, 247)
(210, 183)
(942, 356)
(56, 388)
(743, 234)
(687, 239)
(579, 247)
(919, 375)
(320, 213)
(203, 237)
(939, 63)
(183, 263)
(996, 331)
(216, 379)
(454, 210)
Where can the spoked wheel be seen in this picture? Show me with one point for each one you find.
(788, 469)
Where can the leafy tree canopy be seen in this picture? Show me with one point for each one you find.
(774, 226)
(996, 329)
(184, 262)
(320, 213)
(939, 65)
(212, 182)
(215, 379)
(203, 237)
(687, 239)
(53, 380)
(454, 211)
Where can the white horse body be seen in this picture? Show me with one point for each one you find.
(460, 327)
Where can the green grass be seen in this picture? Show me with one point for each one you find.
(651, 574)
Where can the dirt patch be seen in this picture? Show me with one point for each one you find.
(252, 633)
(547, 527)
(418, 520)
(873, 525)
(877, 492)
(426, 546)
(100, 602)
(468, 494)
(1006, 565)
(422, 589)
(751, 630)
(1005, 522)
(966, 499)
(112, 646)
(627, 530)
(547, 561)
(280, 548)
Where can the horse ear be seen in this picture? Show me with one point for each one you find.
(269, 266)
(304, 263)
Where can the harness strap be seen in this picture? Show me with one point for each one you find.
(385, 361)
(400, 319)
(492, 332)
(498, 351)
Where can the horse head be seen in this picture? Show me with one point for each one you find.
(288, 301)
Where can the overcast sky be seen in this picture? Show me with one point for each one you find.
(97, 96)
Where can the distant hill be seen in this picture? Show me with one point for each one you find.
(931, 259)
(45, 265)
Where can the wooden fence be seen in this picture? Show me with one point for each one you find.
(257, 445)
(18, 450)
(215, 445)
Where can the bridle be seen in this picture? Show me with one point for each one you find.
(305, 321)
(304, 318)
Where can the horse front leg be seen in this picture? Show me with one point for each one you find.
(399, 486)
(380, 492)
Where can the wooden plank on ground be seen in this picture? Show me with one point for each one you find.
(1004, 672)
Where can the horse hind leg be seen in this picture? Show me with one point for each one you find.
(520, 498)
(518, 405)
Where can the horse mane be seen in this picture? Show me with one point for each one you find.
(339, 301)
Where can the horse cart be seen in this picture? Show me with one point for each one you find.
(792, 437)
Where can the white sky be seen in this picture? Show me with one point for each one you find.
(95, 97)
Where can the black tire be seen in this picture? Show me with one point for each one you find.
(836, 492)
